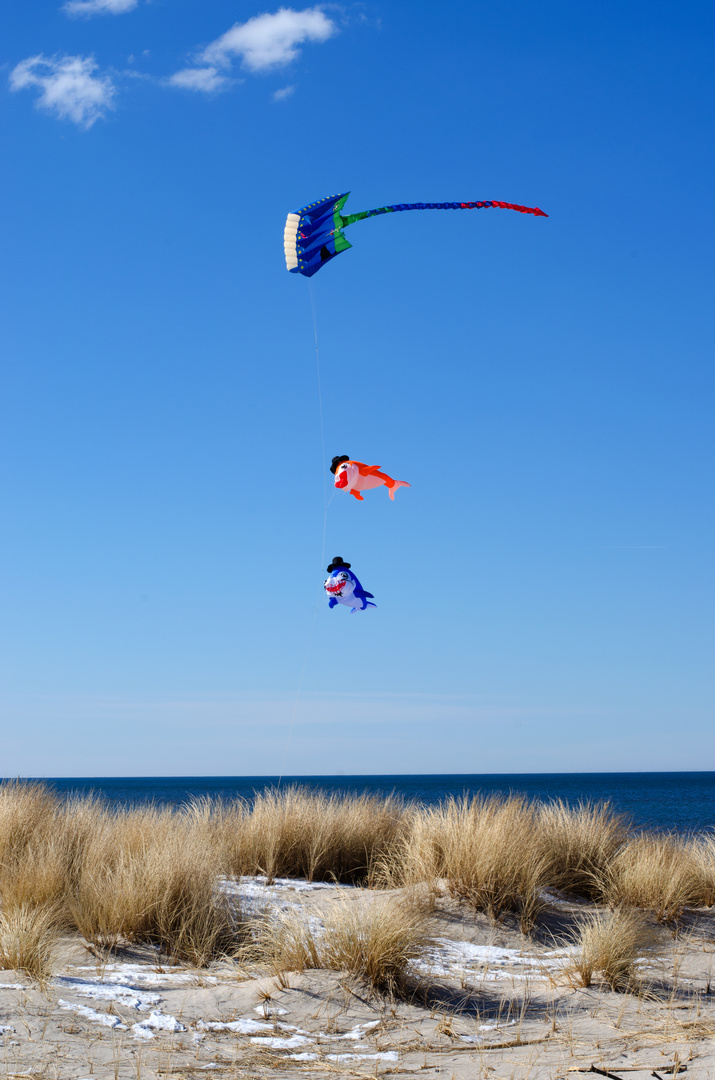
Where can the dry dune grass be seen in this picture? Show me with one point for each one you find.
(609, 945)
(580, 842)
(28, 938)
(662, 874)
(485, 851)
(137, 875)
(703, 852)
(374, 940)
(151, 874)
(301, 833)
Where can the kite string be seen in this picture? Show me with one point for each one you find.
(323, 461)
(322, 552)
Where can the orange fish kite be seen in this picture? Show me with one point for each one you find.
(355, 477)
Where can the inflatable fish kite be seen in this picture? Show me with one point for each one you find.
(314, 234)
(343, 587)
(355, 477)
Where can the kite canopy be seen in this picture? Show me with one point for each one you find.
(314, 235)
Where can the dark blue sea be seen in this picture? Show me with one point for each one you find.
(684, 801)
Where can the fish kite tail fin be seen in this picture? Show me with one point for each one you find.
(397, 484)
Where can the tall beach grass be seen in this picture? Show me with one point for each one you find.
(153, 875)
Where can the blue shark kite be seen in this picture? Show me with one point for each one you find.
(344, 588)
(314, 234)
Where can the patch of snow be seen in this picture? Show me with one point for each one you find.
(282, 1044)
(126, 974)
(240, 1027)
(106, 1019)
(6, 1030)
(256, 894)
(129, 996)
(12, 986)
(140, 1032)
(385, 1055)
(270, 1010)
(159, 1021)
(296, 884)
(485, 1027)
(457, 958)
(355, 1033)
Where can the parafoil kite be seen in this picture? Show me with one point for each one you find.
(314, 234)
(343, 587)
(354, 476)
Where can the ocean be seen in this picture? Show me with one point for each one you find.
(683, 801)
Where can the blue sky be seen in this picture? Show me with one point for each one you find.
(545, 587)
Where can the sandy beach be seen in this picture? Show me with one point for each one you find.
(484, 1001)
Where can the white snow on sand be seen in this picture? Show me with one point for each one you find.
(240, 1027)
(256, 895)
(455, 959)
(354, 1034)
(385, 1055)
(126, 974)
(248, 1026)
(159, 1021)
(485, 1027)
(129, 996)
(105, 1019)
(282, 1044)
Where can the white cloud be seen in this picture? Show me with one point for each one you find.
(269, 41)
(99, 7)
(286, 92)
(67, 85)
(206, 80)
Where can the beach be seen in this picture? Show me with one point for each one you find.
(307, 933)
(483, 1001)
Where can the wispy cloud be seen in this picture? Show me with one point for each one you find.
(205, 80)
(286, 92)
(269, 41)
(87, 8)
(264, 43)
(67, 86)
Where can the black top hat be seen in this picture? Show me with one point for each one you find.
(337, 563)
(338, 461)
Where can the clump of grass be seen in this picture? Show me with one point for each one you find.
(26, 808)
(32, 867)
(150, 874)
(609, 945)
(485, 851)
(300, 833)
(703, 853)
(662, 874)
(153, 876)
(580, 842)
(374, 940)
(28, 938)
